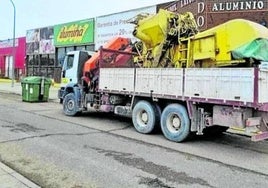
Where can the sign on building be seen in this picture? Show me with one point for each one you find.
(40, 41)
(209, 13)
(74, 33)
(110, 26)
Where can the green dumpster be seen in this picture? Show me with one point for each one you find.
(35, 89)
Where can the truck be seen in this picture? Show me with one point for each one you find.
(178, 79)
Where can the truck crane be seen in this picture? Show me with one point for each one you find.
(179, 79)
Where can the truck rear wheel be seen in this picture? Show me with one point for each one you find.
(70, 105)
(175, 123)
(145, 116)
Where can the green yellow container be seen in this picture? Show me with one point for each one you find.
(35, 89)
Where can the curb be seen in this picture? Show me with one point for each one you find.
(17, 177)
(56, 85)
(6, 80)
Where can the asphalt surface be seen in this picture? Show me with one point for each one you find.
(256, 163)
(100, 150)
(9, 178)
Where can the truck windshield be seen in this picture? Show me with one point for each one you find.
(68, 62)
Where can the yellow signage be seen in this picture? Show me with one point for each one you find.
(74, 33)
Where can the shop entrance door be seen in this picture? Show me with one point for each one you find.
(8, 66)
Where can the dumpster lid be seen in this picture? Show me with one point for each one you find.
(35, 80)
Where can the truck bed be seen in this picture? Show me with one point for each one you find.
(230, 86)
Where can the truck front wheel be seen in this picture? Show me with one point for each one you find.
(175, 123)
(145, 116)
(70, 105)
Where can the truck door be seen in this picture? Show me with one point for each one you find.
(69, 69)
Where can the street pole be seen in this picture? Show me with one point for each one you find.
(14, 49)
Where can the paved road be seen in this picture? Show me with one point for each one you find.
(9, 178)
(97, 150)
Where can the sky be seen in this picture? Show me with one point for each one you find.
(31, 14)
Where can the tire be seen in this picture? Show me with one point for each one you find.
(70, 105)
(175, 123)
(145, 117)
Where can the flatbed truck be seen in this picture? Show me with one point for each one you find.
(201, 81)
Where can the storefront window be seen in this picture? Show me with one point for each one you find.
(60, 56)
(80, 48)
(30, 60)
(68, 49)
(90, 48)
(51, 60)
(44, 60)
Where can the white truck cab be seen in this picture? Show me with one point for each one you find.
(72, 69)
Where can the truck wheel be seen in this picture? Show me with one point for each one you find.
(175, 123)
(70, 105)
(145, 116)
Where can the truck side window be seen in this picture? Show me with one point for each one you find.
(70, 61)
